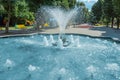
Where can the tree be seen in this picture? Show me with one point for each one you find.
(116, 4)
(7, 5)
(108, 11)
(14, 9)
(92, 18)
(65, 4)
(36, 4)
(97, 10)
(72, 3)
(1, 8)
(21, 11)
(83, 13)
(81, 4)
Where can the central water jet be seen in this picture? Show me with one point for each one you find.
(62, 17)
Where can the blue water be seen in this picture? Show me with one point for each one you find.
(27, 58)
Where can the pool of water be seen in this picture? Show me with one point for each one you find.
(29, 58)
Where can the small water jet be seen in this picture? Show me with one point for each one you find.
(45, 41)
(77, 42)
(60, 43)
(72, 39)
(9, 64)
(52, 39)
(91, 70)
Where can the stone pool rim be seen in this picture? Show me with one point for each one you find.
(86, 35)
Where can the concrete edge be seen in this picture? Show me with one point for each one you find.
(39, 33)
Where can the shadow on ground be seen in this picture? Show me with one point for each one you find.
(107, 31)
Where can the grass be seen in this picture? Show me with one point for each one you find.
(14, 28)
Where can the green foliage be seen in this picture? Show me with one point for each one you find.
(105, 11)
(35, 4)
(117, 11)
(81, 4)
(65, 4)
(1, 8)
(108, 8)
(92, 18)
(21, 9)
(116, 4)
(83, 14)
(18, 10)
(72, 3)
(97, 10)
(108, 11)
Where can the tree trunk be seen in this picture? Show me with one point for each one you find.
(9, 15)
(112, 22)
(107, 24)
(118, 20)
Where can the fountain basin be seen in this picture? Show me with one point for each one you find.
(94, 58)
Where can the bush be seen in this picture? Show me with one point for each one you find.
(21, 26)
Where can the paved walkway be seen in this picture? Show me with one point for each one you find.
(94, 31)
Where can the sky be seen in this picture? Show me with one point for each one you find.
(88, 3)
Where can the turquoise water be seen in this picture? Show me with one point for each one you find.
(28, 58)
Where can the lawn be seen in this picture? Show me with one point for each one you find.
(14, 28)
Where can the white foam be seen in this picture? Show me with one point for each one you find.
(32, 68)
(32, 36)
(91, 69)
(62, 71)
(28, 41)
(112, 66)
(9, 63)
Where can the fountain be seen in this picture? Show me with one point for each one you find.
(62, 18)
